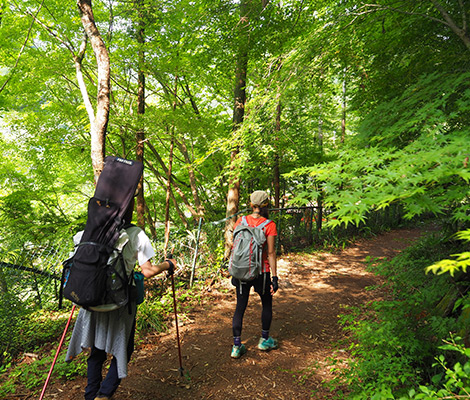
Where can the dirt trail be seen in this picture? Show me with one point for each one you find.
(313, 289)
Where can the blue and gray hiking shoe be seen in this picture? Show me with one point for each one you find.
(267, 344)
(238, 351)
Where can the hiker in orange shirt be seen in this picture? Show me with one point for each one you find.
(265, 284)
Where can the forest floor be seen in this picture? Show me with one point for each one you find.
(314, 289)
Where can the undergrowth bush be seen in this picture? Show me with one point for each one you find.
(393, 342)
(30, 372)
(23, 330)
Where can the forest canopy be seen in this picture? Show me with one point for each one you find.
(350, 105)
(344, 111)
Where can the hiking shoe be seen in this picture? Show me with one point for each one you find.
(267, 344)
(238, 351)
(101, 397)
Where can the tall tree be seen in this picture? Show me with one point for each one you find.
(140, 135)
(233, 194)
(100, 122)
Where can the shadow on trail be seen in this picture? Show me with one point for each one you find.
(313, 292)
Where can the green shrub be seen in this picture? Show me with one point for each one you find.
(394, 341)
(32, 329)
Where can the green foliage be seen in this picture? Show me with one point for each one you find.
(393, 341)
(155, 312)
(33, 333)
(425, 175)
(32, 329)
(32, 375)
(459, 264)
(448, 383)
(151, 316)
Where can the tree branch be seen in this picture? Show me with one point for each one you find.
(460, 32)
(464, 15)
(81, 82)
(22, 48)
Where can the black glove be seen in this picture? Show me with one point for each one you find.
(171, 270)
(275, 283)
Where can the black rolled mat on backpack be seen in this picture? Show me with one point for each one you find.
(115, 188)
(85, 276)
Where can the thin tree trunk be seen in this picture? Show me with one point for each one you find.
(233, 195)
(192, 177)
(150, 221)
(174, 185)
(100, 123)
(343, 109)
(320, 145)
(3, 283)
(140, 135)
(167, 201)
(163, 181)
(81, 81)
(276, 172)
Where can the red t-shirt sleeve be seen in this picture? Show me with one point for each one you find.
(270, 229)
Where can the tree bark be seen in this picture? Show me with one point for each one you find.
(233, 195)
(460, 32)
(78, 58)
(100, 123)
(167, 200)
(174, 185)
(276, 172)
(150, 221)
(192, 177)
(140, 134)
(343, 111)
(163, 182)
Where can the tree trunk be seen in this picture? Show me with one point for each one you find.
(151, 222)
(460, 32)
(233, 195)
(167, 201)
(3, 283)
(81, 81)
(140, 135)
(276, 172)
(100, 123)
(192, 177)
(343, 109)
(320, 145)
(174, 184)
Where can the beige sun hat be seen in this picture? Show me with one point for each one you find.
(259, 198)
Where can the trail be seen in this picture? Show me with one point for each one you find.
(313, 291)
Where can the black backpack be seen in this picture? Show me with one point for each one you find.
(93, 275)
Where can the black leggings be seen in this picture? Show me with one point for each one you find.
(263, 283)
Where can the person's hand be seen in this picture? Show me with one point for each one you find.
(274, 284)
(171, 266)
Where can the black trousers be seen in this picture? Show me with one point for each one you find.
(96, 385)
(262, 286)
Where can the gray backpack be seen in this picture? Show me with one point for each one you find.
(246, 260)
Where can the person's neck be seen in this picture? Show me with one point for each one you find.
(256, 215)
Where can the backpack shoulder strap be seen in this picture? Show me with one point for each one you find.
(262, 225)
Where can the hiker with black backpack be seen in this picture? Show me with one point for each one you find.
(110, 330)
(253, 264)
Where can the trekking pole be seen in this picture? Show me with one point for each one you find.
(57, 353)
(181, 369)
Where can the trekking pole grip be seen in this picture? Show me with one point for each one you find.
(171, 270)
